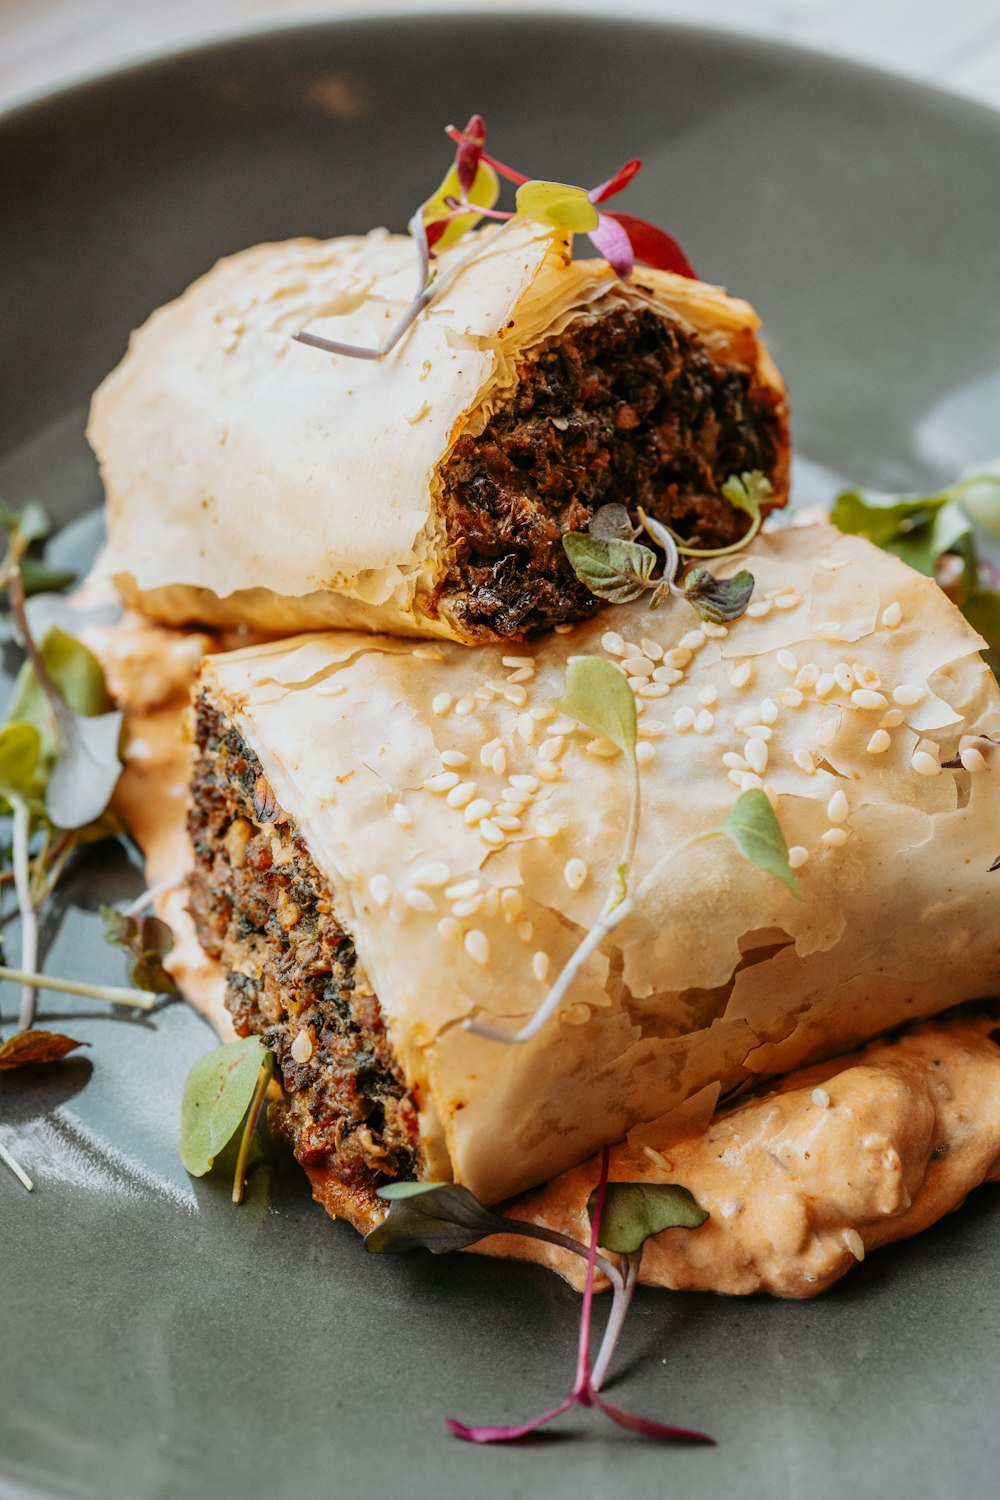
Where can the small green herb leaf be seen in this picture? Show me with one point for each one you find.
(218, 1093)
(598, 695)
(148, 940)
(557, 204)
(754, 829)
(614, 570)
(718, 599)
(30, 524)
(435, 1216)
(20, 753)
(29, 1049)
(748, 491)
(611, 523)
(979, 493)
(38, 579)
(635, 1211)
(78, 677)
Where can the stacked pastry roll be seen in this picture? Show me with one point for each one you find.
(393, 836)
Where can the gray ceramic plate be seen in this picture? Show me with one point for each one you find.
(153, 1341)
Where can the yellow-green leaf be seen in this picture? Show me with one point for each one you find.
(753, 826)
(557, 204)
(597, 695)
(484, 192)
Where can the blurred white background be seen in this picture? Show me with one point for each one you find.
(952, 43)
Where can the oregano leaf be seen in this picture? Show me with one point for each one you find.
(748, 491)
(611, 523)
(557, 204)
(635, 1211)
(616, 570)
(598, 695)
(752, 825)
(217, 1095)
(718, 599)
(435, 1216)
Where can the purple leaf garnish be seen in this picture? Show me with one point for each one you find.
(614, 244)
(654, 247)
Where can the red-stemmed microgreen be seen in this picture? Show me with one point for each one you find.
(468, 194)
(225, 1091)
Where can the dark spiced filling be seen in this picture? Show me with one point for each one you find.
(625, 409)
(265, 912)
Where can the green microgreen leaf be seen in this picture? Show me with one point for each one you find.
(748, 491)
(149, 941)
(30, 524)
(635, 1211)
(611, 523)
(77, 676)
(435, 1216)
(38, 579)
(20, 757)
(86, 769)
(598, 695)
(614, 570)
(718, 599)
(557, 204)
(220, 1089)
(753, 826)
(978, 490)
(484, 192)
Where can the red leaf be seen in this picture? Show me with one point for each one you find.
(507, 1434)
(434, 230)
(646, 1427)
(470, 151)
(614, 184)
(29, 1048)
(614, 244)
(654, 247)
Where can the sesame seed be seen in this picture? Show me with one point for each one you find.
(428, 653)
(491, 903)
(442, 782)
(866, 677)
(854, 1243)
(704, 722)
(551, 749)
(518, 661)
(787, 661)
(486, 693)
(648, 689)
(638, 666)
(789, 697)
(541, 712)
(516, 696)
(564, 725)
(525, 930)
(468, 906)
(892, 615)
(527, 728)
(758, 731)
(756, 753)
(612, 643)
(420, 901)
(524, 783)
(510, 904)
(440, 703)
(807, 676)
(563, 629)
(768, 711)
(908, 695)
(454, 759)
(891, 720)
(868, 698)
(513, 800)
(797, 856)
(548, 770)
(820, 1098)
(879, 743)
(498, 762)
(708, 696)
(925, 764)
(547, 828)
(540, 966)
(843, 676)
(670, 675)
(759, 609)
(837, 808)
(678, 656)
(431, 876)
(714, 630)
(450, 929)
(827, 732)
(477, 946)
(523, 674)
(973, 759)
(463, 890)
(491, 834)
(835, 838)
(684, 720)
(632, 648)
(380, 887)
(480, 808)
(736, 776)
(831, 564)
(651, 649)
(486, 753)
(465, 706)
(574, 873)
(462, 795)
(402, 815)
(830, 630)
(735, 762)
(804, 761)
(692, 641)
(302, 1047)
(788, 601)
(507, 822)
(645, 753)
(825, 684)
(750, 782)
(742, 674)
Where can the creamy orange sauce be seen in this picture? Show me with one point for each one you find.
(839, 1159)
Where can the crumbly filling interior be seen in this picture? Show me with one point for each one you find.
(265, 913)
(627, 408)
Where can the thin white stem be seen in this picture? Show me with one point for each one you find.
(616, 1318)
(148, 897)
(113, 994)
(26, 906)
(17, 1169)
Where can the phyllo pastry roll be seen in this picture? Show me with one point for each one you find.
(393, 839)
(254, 480)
